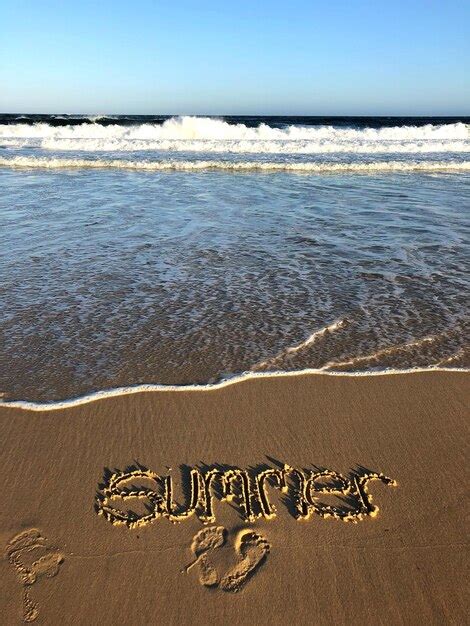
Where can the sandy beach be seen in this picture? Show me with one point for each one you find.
(234, 330)
(387, 544)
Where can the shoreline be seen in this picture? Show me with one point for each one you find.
(114, 392)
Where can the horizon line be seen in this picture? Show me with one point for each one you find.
(362, 115)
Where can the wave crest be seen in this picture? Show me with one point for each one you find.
(207, 134)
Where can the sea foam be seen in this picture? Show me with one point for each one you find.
(205, 134)
(33, 162)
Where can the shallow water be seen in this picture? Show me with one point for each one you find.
(111, 277)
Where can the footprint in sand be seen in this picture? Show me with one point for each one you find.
(206, 541)
(251, 550)
(32, 559)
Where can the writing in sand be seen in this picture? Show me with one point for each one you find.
(305, 492)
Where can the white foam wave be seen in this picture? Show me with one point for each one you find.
(212, 135)
(55, 405)
(300, 347)
(385, 354)
(235, 166)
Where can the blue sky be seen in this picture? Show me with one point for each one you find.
(334, 57)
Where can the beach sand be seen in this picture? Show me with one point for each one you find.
(404, 563)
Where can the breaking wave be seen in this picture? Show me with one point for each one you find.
(206, 134)
(236, 166)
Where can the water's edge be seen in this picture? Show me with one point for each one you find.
(143, 388)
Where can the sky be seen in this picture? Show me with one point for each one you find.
(302, 57)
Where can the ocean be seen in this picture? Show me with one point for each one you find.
(186, 250)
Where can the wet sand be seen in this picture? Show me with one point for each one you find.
(400, 558)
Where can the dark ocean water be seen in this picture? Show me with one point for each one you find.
(252, 121)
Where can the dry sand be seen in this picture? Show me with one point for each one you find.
(64, 563)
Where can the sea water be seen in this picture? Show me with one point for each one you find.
(182, 250)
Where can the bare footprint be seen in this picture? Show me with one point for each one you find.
(250, 548)
(207, 540)
(32, 558)
(253, 549)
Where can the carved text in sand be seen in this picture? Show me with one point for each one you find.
(137, 496)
